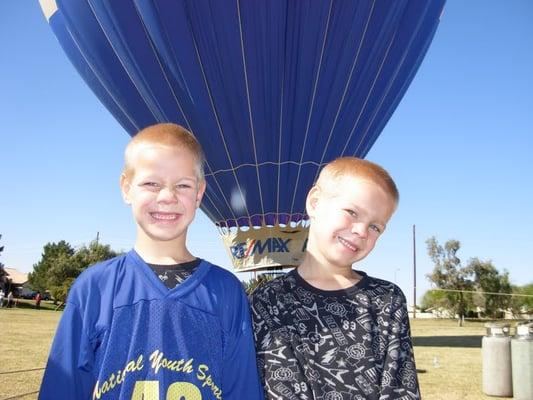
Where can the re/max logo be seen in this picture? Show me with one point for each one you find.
(271, 245)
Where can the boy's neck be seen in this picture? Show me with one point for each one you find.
(327, 277)
(163, 253)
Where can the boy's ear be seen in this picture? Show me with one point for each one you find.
(201, 190)
(312, 200)
(125, 187)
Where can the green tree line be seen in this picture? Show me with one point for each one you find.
(477, 284)
(61, 264)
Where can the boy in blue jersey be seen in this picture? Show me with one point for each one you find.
(156, 323)
(325, 330)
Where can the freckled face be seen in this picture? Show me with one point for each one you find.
(163, 191)
(347, 218)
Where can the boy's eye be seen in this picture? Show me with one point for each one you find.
(183, 186)
(150, 185)
(351, 213)
(375, 228)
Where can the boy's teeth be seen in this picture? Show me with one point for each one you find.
(164, 216)
(347, 244)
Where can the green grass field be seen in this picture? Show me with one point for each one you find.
(457, 374)
(26, 335)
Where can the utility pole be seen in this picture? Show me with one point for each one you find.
(97, 237)
(414, 271)
(2, 271)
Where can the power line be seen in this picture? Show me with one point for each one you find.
(477, 292)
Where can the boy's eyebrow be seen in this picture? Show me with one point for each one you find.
(156, 175)
(188, 178)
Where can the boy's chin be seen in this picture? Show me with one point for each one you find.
(157, 237)
(348, 262)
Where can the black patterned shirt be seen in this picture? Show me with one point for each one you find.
(333, 345)
(173, 275)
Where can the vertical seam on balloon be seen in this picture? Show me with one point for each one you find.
(206, 195)
(280, 129)
(312, 104)
(252, 130)
(159, 62)
(368, 97)
(346, 86)
(119, 59)
(279, 144)
(404, 56)
(99, 77)
(219, 126)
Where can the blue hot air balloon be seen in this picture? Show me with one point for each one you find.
(272, 89)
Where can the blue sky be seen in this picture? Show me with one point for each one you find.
(459, 147)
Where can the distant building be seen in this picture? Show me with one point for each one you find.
(14, 281)
(419, 314)
(440, 312)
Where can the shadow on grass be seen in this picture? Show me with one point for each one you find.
(448, 341)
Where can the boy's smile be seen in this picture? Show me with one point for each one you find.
(165, 218)
(348, 244)
(163, 192)
(159, 216)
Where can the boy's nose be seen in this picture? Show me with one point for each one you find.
(167, 195)
(361, 229)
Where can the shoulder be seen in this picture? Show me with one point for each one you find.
(221, 273)
(100, 271)
(221, 279)
(96, 279)
(270, 290)
(218, 288)
(380, 286)
(220, 293)
(381, 291)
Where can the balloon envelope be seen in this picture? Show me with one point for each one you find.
(273, 90)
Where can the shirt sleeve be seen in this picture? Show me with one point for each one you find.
(264, 323)
(399, 379)
(241, 380)
(68, 371)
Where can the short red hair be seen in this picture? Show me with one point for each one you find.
(168, 135)
(358, 168)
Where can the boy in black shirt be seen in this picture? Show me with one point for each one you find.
(324, 330)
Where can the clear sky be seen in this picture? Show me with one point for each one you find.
(459, 147)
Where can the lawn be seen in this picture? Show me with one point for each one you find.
(26, 335)
(448, 357)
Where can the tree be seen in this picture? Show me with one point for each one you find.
(433, 299)
(449, 274)
(522, 304)
(95, 252)
(52, 252)
(60, 265)
(488, 280)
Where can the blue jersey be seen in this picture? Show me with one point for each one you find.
(125, 335)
